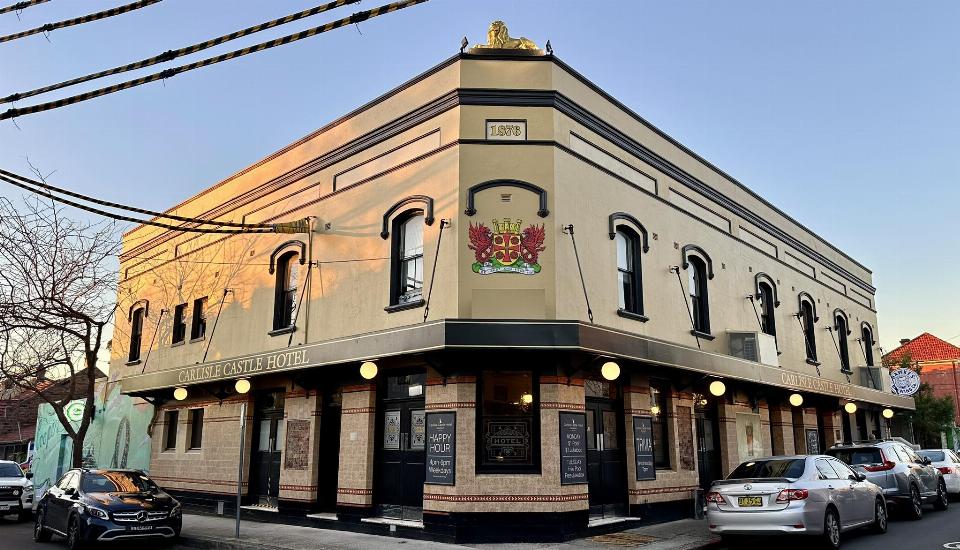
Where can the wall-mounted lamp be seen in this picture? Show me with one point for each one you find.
(796, 399)
(717, 388)
(887, 413)
(655, 410)
(850, 407)
(368, 370)
(526, 398)
(610, 370)
(180, 394)
(242, 386)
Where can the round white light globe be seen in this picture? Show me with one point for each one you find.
(796, 399)
(368, 370)
(717, 388)
(850, 407)
(180, 394)
(888, 413)
(610, 370)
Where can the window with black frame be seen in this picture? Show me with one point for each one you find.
(170, 434)
(136, 334)
(508, 430)
(629, 281)
(840, 326)
(660, 411)
(699, 298)
(866, 339)
(285, 300)
(808, 321)
(407, 285)
(768, 322)
(179, 324)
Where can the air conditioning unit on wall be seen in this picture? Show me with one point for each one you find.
(754, 346)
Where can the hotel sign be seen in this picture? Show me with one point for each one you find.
(810, 383)
(244, 367)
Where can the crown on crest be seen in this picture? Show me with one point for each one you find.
(506, 226)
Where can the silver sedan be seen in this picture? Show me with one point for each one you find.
(813, 495)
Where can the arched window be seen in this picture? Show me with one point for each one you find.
(840, 326)
(768, 321)
(808, 320)
(136, 333)
(407, 269)
(699, 295)
(866, 336)
(285, 298)
(629, 278)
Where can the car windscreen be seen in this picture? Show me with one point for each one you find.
(116, 482)
(934, 456)
(10, 470)
(774, 467)
(856, 456)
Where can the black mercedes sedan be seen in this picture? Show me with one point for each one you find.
(105, 505)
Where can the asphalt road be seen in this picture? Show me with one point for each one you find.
(936, 531)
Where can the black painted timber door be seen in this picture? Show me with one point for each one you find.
(708, 448)
(268, 433)
(328, 462)
(606, 459)
(402, 432)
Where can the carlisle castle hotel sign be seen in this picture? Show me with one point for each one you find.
(240, 368)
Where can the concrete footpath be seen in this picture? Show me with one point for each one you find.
(217, 533)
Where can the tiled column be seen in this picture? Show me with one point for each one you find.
(781, 429)
(832, 428)
(298, 471)
(357, 429)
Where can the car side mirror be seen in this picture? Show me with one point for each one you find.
(925, 461)
(69, 491)
(29, 475)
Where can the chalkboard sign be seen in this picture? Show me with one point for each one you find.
(813, 442)
(441, 460)
(573, 448)
(643, 447)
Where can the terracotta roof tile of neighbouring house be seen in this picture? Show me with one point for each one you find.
(926, 347)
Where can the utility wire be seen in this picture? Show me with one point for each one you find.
(170, 55)
(168, 73)
(299, 226)
(80, 20)
(21, 5)
(119, 206)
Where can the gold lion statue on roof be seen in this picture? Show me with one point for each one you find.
(499, 38)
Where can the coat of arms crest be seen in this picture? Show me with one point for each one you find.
(505, 248)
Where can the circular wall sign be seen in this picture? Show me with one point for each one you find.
(74, 411)
(905, 381)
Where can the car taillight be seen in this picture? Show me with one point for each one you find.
(887, 465)
(787, 495)
(945, 470)
(715, 497)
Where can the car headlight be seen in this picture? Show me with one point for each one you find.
(175, 511)
(97, 512)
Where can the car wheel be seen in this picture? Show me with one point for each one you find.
(880, 516)
(915, 507)
(74, 542)
(943, 499)
(40, 533)
(831, 529)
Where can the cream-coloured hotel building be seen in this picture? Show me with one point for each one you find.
(571, 317)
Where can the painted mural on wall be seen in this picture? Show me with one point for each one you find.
(117, 437)
(505, 248)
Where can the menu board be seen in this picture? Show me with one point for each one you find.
(813, 442)
(441, 459)
(643, 447)
(573, 448)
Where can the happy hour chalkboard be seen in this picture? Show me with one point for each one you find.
(573, 448)
(643, 447)
(441, 460)
(813, 442)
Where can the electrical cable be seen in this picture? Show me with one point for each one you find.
(168, 73)
(170, 55)
(288, 227)
(21, 5)
(109, 204)
(80, 20)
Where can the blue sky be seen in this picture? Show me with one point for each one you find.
(843, 114)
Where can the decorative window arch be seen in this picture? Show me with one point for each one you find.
(145, 304)
(694, 249)
(841, 325)
(846, 319)
(406, 261)
(866, 338)
(285, 289)
(412, 199)
(761, 277)
(539, 191)
(805, 296)
(637, 226)
(629, 272)
(299, 245)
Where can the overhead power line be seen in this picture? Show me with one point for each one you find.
(298, 226)
(119, 206)
(80, 20)
(21, 5)
(168, 73)
(170, 55)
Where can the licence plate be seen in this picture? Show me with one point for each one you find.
(4, 506)
(745, 502)
(140, 528)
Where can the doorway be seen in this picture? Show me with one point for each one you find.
(401, 429)
(606, 456)
(328, 462)
(708, 449)
(268, 439)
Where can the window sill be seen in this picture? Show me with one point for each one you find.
(176, 344)
(702, 335)
(813, 362)
(198, 339)
(631, 315)
(846, 371)
(132, 362)
(194, 450)
(284, 330)
(401, 307)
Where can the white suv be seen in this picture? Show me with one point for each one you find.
(16, 490)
